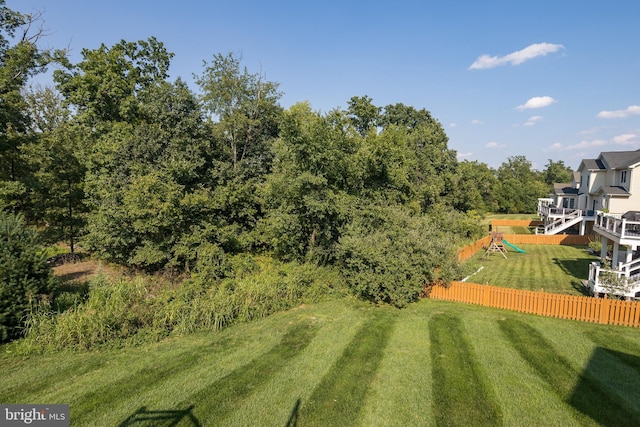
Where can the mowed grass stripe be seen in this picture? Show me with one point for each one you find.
(139, 381)
(23, 389)
(213, 403)
(461, 390)
(524, 398)
(400, 394)
(339, 397)
(594, 404)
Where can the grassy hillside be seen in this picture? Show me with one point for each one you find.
(349, 363)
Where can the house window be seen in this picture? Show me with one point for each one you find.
(623, 177)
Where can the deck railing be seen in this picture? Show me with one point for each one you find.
(618, 226)
(583, 308)
(543, 205)
(565, 219)
(627, 275)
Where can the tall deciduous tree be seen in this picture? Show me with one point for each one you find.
(244, 107)
(520, 186)
(57, 182)
(476, 188)
(104, 85)
(20, 58)
(147, 185)
(305, 196)
(557, 172)
(363, 114)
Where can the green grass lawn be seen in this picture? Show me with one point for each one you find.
(554, 268)
(346, 363)
(487, 219)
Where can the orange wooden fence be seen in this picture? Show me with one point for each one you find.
(543, 239)
(515, 223)
(587, 309)
(470, 250)
(526, 239)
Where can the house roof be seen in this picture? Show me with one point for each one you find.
(620, 159)
(564, 189)
(593, 164)
(612, 191)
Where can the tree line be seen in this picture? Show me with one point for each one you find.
(143, 171)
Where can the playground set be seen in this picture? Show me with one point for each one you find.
(498, 244)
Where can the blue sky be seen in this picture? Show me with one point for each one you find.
(546, 79)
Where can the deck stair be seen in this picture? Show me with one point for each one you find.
(561, 223)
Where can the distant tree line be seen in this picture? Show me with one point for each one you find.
(142, 171)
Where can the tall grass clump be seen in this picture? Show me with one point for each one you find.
(268, 287)
(128, 311)
(114, 310)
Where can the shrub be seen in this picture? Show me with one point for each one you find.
(595, 246)
(25, 276)
(389, 256)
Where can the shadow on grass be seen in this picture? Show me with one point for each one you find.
(619, 346)
(293, 418)
(221, 397)
(461, 390)
(339, 397)
(581, 390)
(171, 417)
(577, 268)
(598, 362)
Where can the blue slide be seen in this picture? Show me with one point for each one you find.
(514, 247)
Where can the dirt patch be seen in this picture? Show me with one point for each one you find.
(81, 271)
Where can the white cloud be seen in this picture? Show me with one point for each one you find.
(453, 125)
(625, 139)
(494, 144)
(533, 120)
(586, 144)
(632, 110)
(464, 155)
(589, 131)
(536, 102)
(476, 122)
(515, 58)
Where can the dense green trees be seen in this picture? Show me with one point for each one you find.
(144, 172)
(556, 172)
(20, 58)
(519, 186)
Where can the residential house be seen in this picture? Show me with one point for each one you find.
(605, 184)
(603, 198)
